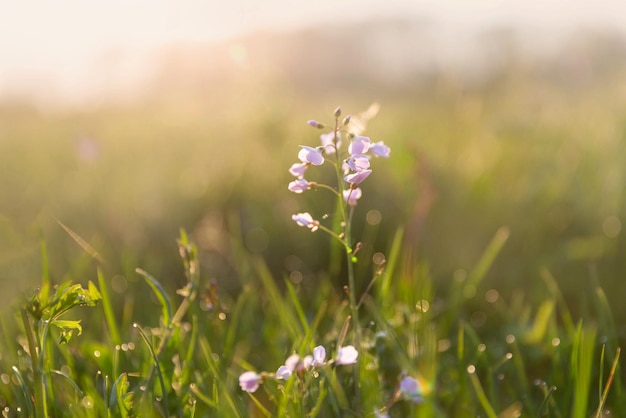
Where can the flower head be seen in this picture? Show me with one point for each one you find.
(299, 186)
(283, 373)
(315, 124)
(379, 149)
(298, 169)
(328, 142)
(356, 178)
(311, 155)
(357, 162)
(359, 145)
(249, 381)
(351, 196)
(319, 355)
(292, 362)
(305, 219)
(411, 389)
(346, 355)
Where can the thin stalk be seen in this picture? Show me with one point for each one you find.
(41, 407)
(346, 214)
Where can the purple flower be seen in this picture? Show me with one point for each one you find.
(328, 142)
(410, 388)
(357, 162)
(305, 219)
(352, 195)
(249, 381)
(346, 355)
(307, 361)
(311, 155)
(283, 373)
(379, 149)
(298, 169)
(315, 124)
(292, 362)
(359, 145)
(319, 356)
(299, 186)
(356, 178)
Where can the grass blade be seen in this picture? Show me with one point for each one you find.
(164, 300)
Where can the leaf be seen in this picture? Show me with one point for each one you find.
(69, 296)
(67, 329)
(164, 300)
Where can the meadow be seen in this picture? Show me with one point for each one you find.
(487, 281)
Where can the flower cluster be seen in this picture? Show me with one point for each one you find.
(354, 167)
(250, 381)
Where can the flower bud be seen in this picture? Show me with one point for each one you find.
(315, 124)
(338, 111)
(346, 120)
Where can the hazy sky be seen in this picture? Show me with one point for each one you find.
(58, 45)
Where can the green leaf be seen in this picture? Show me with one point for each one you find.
(69, 296)
(67, 329)
(164, 300)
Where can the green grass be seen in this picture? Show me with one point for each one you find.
(489, 271)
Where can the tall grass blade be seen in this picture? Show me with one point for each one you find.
(82, 242)
(24, 387)
(107, 306)
(607, 386)
(164, 300)
(156, 366)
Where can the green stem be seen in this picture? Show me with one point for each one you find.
(41, 407)
(351, 279)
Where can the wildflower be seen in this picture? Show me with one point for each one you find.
(411, 389)
(357, 177)
(283, 373)
(352, 195)
(319, 355)
(328, 142)
(379, 149)
(357, 162)
(299, 186)
(359, 145)
(305, 219)
(298, 169)
(311, 155)
(292, 362)
(249, 381)
(315, 124)
(346, 355)
(307, 362)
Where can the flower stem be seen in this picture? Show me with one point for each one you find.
(346, 214)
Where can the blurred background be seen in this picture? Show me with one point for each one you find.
(127, 120)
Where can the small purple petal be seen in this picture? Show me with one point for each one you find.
(298, 169)
(292, 362)
(358, 177)
(351, 196)
(411, 389)
(299, 186)
(304, 219)
(249, 381)
(358, 162)
(283, 373)
(328, 142)
(359, 145)
(319, 355)
(307, 361)
(311, 155)
(379, 149)
(346, 355)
